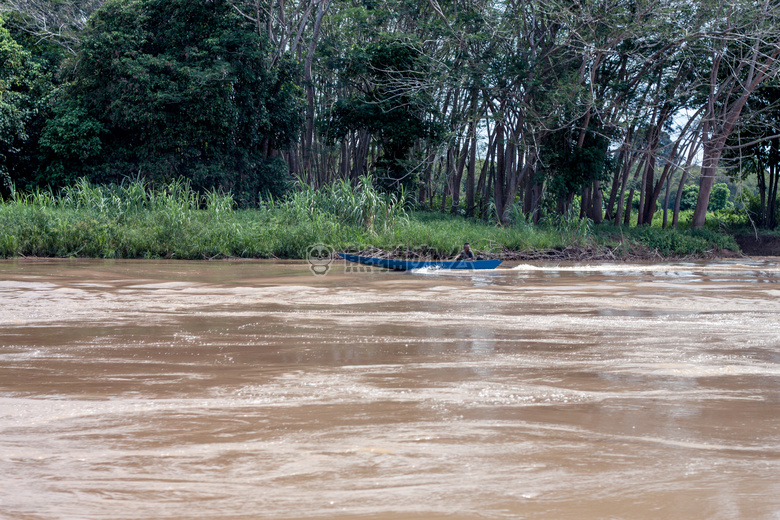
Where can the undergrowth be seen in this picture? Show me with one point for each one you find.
(137, 220)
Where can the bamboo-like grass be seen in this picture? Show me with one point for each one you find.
(137, 220)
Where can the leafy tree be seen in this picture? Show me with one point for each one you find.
(754, 149)
(573, 168)
(719, 197)
(734, 78)
(23, 84)
(174, 88)
(388, 102)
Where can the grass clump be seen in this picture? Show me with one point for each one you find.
(362, 205)
(655, 241)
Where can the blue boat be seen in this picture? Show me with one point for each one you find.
(406, 265)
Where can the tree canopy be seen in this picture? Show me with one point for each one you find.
(23, 83)
(162, 89)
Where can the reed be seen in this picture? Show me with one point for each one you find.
(361, 205)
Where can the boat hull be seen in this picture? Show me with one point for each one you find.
(407, 265)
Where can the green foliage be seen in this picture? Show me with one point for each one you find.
(691, 242)
(73, 137)
(15, 83)
(23, 82)
(719, 197)
(388, 102)
(170, 88)
(362, 205)
(753, 212)
(689, 197)
(572, 168)
(635, 198)
(572, 229)
(136, 220)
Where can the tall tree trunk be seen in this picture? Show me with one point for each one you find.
(625, 175)
(709, 166)
(344, 164)
(483, 185)
(513, 175)
(678, 198)
(471, 175)
(596, 203)
(629, 207)
(640, 214)
(616, 178)
(770, 202)
(692, 152)
(719, 126)
(498, 185)
(647, 205)
(666, 204)
(458, 177)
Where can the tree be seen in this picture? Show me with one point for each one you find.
(754, 149)
(719, 197)
(56, 21)
(169, 88)
(388, 103)
(23, 82)
(742, 43)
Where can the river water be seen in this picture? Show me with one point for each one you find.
(251, 390)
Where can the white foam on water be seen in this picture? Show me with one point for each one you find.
(528, 267)
(427, 270)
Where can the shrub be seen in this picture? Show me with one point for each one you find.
(689, 197)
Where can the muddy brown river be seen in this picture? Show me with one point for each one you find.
(251, 390)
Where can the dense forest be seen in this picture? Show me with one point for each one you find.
(502, 108)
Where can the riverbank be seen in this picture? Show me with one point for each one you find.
(52, 232)
(134, 221)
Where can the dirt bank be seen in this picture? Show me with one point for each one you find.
(759, 245)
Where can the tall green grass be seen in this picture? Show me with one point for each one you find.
(137, 220)
(361, 205)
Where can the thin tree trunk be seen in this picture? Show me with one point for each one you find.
(629, 207)
(678, 197)
(666, 204)
(596, 203)
(308, 137)
(470, 176)
(613, 192)
(761, 179)
(773, 182)
(498, 186)
(692, 152)
(629, 163)
(458, 177)
(709, 167)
